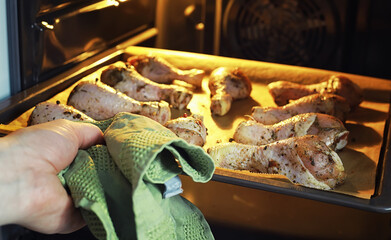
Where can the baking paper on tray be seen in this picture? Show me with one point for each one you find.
(366, 124)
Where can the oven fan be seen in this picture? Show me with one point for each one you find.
(296, 32)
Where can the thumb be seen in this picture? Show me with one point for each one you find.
(86, 134)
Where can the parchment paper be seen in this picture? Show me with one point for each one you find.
(366, 124)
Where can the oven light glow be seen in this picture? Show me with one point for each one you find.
(112, 3)
(101, 5)
(200, 26)
(47, 25)
(189, 10)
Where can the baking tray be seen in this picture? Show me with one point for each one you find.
(376, 91)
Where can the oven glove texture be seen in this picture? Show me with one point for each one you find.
(119, 186)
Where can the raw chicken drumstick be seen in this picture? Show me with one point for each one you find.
(318, 103)
(329, 129)
(49, 111)
(303, 160)
(100, 101)
(191, 129)
(159, 70)
(227, 85)
(130, 82)
(283, 91)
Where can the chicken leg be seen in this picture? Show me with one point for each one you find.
(303, 160)
(49, 111)
(318, 103)
(100, 101)
(130, 82)
(159, 70)
(329, 129)
(227, 85)
(283, 91)
(189, 128)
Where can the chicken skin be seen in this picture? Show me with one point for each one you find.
(159, 70)
(100, 101)
(227, 85)
(189, 128)
(303, 160)
(329, 129)
(330, 104)
(283, 91)
(49, 111)
(130, 82)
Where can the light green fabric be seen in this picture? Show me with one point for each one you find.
(119, 186)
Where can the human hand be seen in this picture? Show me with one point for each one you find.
(30, 159)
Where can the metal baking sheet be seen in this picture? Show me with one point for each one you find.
(369, 125)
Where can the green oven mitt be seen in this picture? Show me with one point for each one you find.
(119, 187)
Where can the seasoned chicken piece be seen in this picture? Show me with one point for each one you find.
(303, 160)
(130, 82)
(283, 91)
(227, 85)
(101, 101)
(328, 128)
(49, 111)
(159, 70)
(318, 103)
(191, 129)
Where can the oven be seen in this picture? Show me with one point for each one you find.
(53, 44)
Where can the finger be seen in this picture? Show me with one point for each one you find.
(87, 134)
(74, 220)
(78, 136)
(57, 141)
(50, 210)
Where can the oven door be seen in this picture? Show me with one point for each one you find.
(49, 37)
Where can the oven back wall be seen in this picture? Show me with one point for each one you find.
(340, 35)
(181, 25)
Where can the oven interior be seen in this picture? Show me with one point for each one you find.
(48, 37)
(55, 43)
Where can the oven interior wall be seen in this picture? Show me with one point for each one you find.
(341, 35)
(181, 25)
